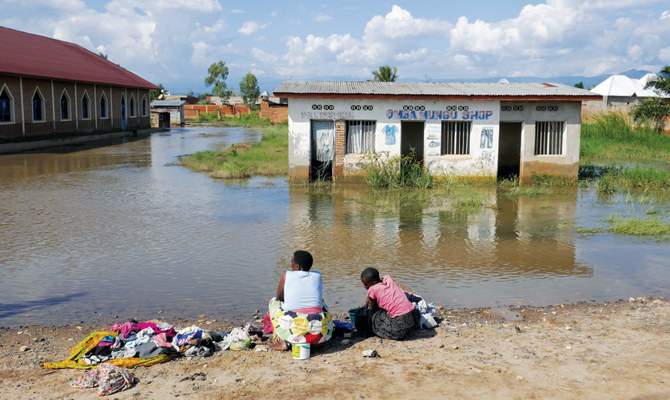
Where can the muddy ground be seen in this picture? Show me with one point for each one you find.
(617, 350)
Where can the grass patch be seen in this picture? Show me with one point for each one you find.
(610, 138)
(651, 226)
(643, 179)
(269, 157)
(385, 171)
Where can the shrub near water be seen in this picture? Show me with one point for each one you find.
(384, 171)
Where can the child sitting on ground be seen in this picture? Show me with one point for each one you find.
(392, 316)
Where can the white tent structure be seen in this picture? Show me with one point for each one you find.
(622, 93)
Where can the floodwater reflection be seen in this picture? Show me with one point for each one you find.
(119, 231)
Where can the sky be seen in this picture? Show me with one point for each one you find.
(173, 42)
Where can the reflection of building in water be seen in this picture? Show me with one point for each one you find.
(353, 228)
(73, 159)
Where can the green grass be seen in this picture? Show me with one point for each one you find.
(269, 157)
(638, 179)
(651, 226)
(610, 139)
(384, 171)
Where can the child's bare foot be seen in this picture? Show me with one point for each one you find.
(281, 345)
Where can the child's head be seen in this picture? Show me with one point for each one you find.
(370, 277)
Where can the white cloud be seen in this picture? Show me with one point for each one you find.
(261, 56)
(665, 15)
(321, 17)
(251, 27)
(664, 55)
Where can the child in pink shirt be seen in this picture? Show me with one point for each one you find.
(393, 316)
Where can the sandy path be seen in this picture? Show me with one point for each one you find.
(583, 351)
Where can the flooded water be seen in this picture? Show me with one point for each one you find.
(119, 231)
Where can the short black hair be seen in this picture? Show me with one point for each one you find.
(303, 259)
(370, 275)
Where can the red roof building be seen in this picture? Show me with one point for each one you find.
(52, 89)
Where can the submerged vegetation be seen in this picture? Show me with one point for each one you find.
(269, 157)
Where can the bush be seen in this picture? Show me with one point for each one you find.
(384, 171)
(651, 112)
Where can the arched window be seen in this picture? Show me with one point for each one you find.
(103, 106)
(144, 106)
(5, 106)
(85, 108)
(64, 107)
(132, 106)
(38, 106)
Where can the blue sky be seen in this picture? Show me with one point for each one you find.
(174, 41)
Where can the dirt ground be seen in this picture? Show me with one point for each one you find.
(617, 350)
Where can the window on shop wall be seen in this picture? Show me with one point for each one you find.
(456, 137)
(5, 107)
(360, 137)
(38, 104)
(132, 106)
(85, 111)
(144, 107)
(549, 137)
(103, 106)
(64, 108)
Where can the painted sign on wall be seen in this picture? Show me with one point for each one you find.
(438, 114)
(389, 134)
(486, 140)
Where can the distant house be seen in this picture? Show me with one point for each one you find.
(51, 89)
(167, 113)
(186, 98)
(483, 130)
(274, 108)
(621, 93)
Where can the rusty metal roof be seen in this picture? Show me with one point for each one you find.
(37, 56)
(432, 89)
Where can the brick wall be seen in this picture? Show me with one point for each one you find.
(191, 111)
(338, 167)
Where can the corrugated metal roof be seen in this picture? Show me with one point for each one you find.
(31, 55)
(167, 103)
(450, 89)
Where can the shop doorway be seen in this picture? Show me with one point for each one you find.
(509, 150)
(322, 151)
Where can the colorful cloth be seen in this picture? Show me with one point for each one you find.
(296, 327)
(78, 351)
(110, 378)
(390, 297)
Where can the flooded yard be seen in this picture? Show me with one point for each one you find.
(119, 231)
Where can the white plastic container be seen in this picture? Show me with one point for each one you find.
(301, 351)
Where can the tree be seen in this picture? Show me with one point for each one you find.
(103, 55)
(385, 74)
(156, 94)
(249, 90)
(218, 72)
(652, 111)
(662, 81)
(579, 85)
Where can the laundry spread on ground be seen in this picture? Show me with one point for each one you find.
(133, 344)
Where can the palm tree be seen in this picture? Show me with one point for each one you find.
(386, 73)
(662, 81)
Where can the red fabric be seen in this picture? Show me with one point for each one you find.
(312, 339)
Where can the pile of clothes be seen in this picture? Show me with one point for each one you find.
(135, 343)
